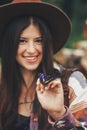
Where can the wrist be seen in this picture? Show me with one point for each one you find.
(56, 115)
(65, 122)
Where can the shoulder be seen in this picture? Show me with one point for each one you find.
(78, 76)
(77, 81)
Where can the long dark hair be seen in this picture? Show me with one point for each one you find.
(11, 77)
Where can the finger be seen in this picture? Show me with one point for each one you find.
(38, 84)
(38, 81)
(55, 83)
(39, 87)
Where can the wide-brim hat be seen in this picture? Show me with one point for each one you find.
(57, 20)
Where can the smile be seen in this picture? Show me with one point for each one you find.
(31, 59)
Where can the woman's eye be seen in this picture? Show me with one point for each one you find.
(39, 41)
(22, 41)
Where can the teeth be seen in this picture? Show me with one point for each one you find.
(30, 58)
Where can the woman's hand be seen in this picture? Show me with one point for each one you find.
(51, 97)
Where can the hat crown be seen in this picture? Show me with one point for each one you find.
(19, 1)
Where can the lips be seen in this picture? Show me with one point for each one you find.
(31, 59)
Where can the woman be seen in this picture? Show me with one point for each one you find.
(28, 40)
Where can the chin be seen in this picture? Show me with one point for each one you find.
(32, 68)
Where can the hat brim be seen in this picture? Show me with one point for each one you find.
(57, 20)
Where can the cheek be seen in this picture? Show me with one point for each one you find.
(19, 53)
(41, 52)
(20, 50)
(40, 48)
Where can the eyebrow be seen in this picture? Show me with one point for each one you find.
(34, 38)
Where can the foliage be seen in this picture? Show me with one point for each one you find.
(77, 11)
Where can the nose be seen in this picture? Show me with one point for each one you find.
(30, 47)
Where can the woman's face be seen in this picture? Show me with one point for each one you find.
(30, 48)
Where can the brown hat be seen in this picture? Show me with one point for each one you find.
(57, 20)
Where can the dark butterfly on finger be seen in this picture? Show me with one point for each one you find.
(51, 75)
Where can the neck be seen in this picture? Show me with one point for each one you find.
(29, 77)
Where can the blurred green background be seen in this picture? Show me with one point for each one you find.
(76, 10)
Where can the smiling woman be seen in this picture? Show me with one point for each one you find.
(31, 31)
(30, 48)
